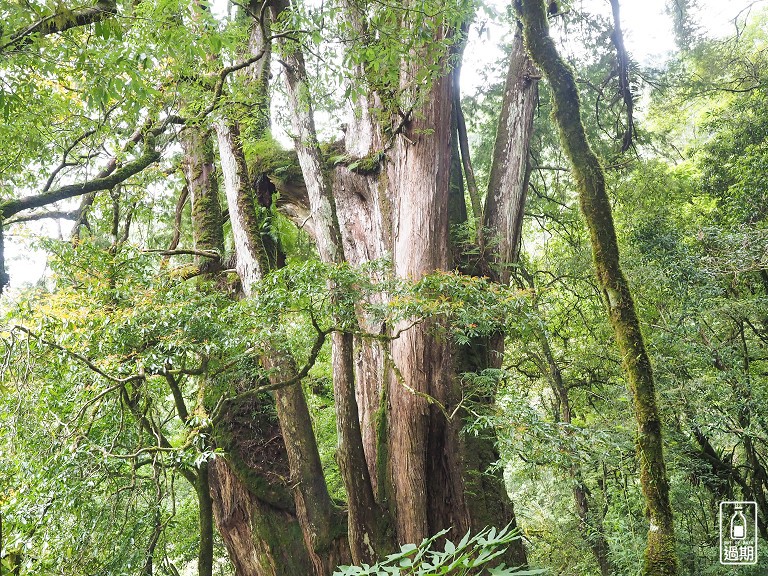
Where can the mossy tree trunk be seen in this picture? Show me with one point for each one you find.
(660, 557)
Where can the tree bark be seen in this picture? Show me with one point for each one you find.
(205, 551)
(508, 182)
(660, 557)
(200, 175)
(324, 541)
(367, 522)
(486, 494)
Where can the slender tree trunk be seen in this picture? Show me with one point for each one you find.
(205, 552)
(200, 175)
(660, 557)
(367, 523)
(259, 521)
(320, 520)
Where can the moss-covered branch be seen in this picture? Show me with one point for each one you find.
(61, 21)
(12, 207)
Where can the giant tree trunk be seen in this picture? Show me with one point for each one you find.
(660, 558)
(398, 204)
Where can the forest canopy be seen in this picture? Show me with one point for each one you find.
(300, 288)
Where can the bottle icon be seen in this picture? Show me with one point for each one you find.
(738, 525)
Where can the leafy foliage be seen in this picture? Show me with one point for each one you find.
(470, 556)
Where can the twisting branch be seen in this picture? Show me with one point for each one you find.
(64, 162)
(218, 411)
(80, 357)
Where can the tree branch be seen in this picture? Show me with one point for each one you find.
(53, 214)
(62, 21)
(80, 357)
(12, 207)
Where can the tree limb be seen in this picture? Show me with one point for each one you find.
(12, 207)
(62, 21)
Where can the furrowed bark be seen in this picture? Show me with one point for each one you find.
(420, 180)
(508, 182)
(487, 499)
(660, 557)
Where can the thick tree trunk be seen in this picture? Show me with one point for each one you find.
(429, 496)
(660, 557)
(398, 204)
(367, 523)
(260, 531)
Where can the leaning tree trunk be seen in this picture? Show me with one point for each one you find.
(660, 557)
(502, 220)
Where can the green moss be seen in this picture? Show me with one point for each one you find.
(382, 442)
(370, 164)
(266, 156)
(660, 555)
